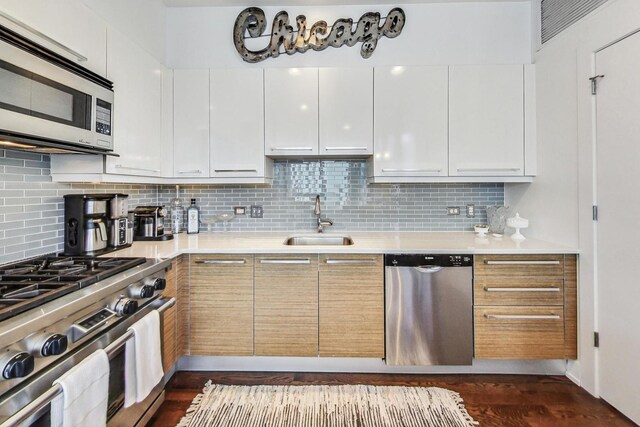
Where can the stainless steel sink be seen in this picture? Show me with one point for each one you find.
(319, 241)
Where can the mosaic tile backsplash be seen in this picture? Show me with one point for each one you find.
(31, 205)
(345, 198)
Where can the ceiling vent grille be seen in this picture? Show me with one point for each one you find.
(557, 15)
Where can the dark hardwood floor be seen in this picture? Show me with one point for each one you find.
(493, 400)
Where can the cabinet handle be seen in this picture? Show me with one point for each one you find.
(352, 261)
(80, 57)
(291, 148)
(221, 261)
(523, 316)
(515, 262)
(346, 148)
(191, 171)
(487, 289)
(236, 170)
(137, 169)
(285, 261)
(413, 170)
(488, 170)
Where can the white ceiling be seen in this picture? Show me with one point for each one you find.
(196, 3)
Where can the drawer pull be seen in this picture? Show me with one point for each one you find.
(190, 171)
(523, 316)
(352, 261)
(487, 289)
(291, 148)
(545, 262)
(235, 170)
(346, 148)
(285, 261)
(412, 170)
(221, 261)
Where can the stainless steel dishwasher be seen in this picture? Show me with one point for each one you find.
(429, 309)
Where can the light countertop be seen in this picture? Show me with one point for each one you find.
(364, 242)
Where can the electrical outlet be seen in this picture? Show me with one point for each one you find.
(239, 210)
(471, 211)
(256, 211)
(453, 210)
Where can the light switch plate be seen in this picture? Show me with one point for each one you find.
(256, 211)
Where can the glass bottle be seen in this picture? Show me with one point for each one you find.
(177, 213)
(193, 218)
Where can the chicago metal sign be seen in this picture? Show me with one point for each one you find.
(367, 31)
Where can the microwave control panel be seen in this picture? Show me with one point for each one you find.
(103, 117)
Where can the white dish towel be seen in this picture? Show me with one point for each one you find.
(143, 362)
(85, 390)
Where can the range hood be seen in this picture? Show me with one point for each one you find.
(49, 103)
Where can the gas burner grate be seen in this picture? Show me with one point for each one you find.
(28, 284)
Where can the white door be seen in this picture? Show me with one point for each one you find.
(291, 111)
(191, 123)
(618, 198)
(486, 120)
(237, 123)
(410, 122)
(346, 111)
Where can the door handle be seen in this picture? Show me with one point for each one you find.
(428, 269)
(412, 170)
(285, 261)
(488, 170)
(489, 289)
(221, 261)
(137, 169)
(291, 148)
(351, 261)
(345, 148)
(235, 170)
(523, 316)
(191, 171)
(523, 262)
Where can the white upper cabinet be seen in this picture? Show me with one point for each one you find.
(237, 124)
(191, 123)
(486, 116)
(68, 22)
(346, 111)
(291, 111)
(137, 110)
(410, 123)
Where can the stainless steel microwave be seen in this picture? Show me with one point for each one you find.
(49, 103)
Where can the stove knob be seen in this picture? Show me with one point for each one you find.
(141, 291)
(17, 365)
(158, 283)
(54, 345)
(124, 307)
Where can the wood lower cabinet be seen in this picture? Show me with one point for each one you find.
(286, 305)
(182, 306)
(169, 320)
(525, 306)
(351, 306)
(221, 305)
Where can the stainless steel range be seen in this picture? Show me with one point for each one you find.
(57, 310)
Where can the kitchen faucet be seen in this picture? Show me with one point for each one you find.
(322, 222)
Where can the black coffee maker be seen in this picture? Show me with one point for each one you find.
(88, 223)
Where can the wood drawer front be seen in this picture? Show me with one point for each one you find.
(221, 303)
(519, 332)
(518, 279)
(351, 306)
(286, 305)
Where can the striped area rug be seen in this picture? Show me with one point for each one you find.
(326, 406)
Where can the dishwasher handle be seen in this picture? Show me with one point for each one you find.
(428, 268)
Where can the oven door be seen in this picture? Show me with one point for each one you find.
(34, 410)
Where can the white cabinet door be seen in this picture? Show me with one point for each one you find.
(410, 122)
(167, 122)
(191, 123)
(137, 109)
(68, 22)
(237, 123)
(486, 108)
(291, 111)
(346, 111)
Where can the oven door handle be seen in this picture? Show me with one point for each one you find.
(45, 398)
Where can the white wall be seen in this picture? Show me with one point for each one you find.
(436, 33)
(559, 201)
